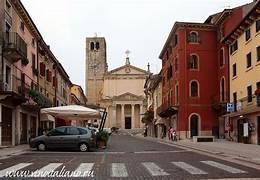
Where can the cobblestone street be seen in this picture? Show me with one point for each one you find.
(129, 157)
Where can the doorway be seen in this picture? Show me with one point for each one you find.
(194, 120)
(23, 139)
(6, 126)
(240, 130)
(127, 122)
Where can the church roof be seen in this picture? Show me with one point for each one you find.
(128, 66)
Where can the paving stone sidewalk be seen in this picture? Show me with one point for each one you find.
(245, 152)
(6, 151)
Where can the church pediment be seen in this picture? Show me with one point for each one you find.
(128, 97)
(128, 69)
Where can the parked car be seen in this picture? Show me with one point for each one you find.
(65, 137)
(95, 130)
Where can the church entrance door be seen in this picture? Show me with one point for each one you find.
(128, 122)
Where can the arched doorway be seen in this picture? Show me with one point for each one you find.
(194, 123)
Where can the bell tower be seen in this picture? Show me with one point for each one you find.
(96, 67)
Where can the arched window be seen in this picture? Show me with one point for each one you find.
(92, 46)
(194, 89)
(193, 37)
(222, 89)
(194, 62)
(97, 45)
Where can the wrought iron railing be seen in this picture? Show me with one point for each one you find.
(12, 41)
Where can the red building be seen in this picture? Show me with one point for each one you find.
(195, 74)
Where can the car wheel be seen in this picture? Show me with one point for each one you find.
(83, 147)
(41, 146)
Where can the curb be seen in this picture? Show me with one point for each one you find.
(245, 159)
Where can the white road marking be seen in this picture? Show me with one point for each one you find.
(84, 170)
(223, 167)
(46, 170)
(191, 169)
(153, 152)
(119, 170)
(154, 169)
(14, 168)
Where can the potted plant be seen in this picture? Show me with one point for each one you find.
(102, 138)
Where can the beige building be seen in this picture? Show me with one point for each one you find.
(123, 96)
(244, 57)
(77, 95)
(153, 90)
(119, 91)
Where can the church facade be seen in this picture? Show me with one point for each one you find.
(120, 91)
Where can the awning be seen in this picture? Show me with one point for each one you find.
(72, 112)
(47, 117)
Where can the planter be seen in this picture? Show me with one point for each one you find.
(102, 144)
(102, 138)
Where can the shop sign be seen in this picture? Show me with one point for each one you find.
(245, 129)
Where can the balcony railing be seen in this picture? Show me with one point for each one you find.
(166, 110)
(14, 47)
(246, 103)
(23, 87)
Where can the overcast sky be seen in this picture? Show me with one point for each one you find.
(142, 26)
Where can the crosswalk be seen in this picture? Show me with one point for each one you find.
(117, 169)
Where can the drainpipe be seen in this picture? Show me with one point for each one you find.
(38, 88)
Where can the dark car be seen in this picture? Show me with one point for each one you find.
(65, 137)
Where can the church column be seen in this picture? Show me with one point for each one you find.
(141, 112)
(133, 116)
(122, 116)
(114, 116)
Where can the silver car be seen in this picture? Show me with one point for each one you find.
(65, 137)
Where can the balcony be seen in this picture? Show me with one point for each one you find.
(242, 106)
(166, 110)
(14, 47)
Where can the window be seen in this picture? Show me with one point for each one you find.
(249, 94)
(42, 69)
(97, 45)
(33, 42)
(233, 47)
(235, 101)
(234, 68)
(72, 131)
(194, 89)
(193, 62)
(193, 37)
(258, 85)
(83, 131)
(247, 34)
(222, 89)
(34, 65)
(22, 26)
(7, 27)
(92, 46)
(248, 60)
(169, 72)
(54, 81)
(59, 131)
(257, 26)
(175, 42)
(258, 54)
(8, 74)
(221, 56)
